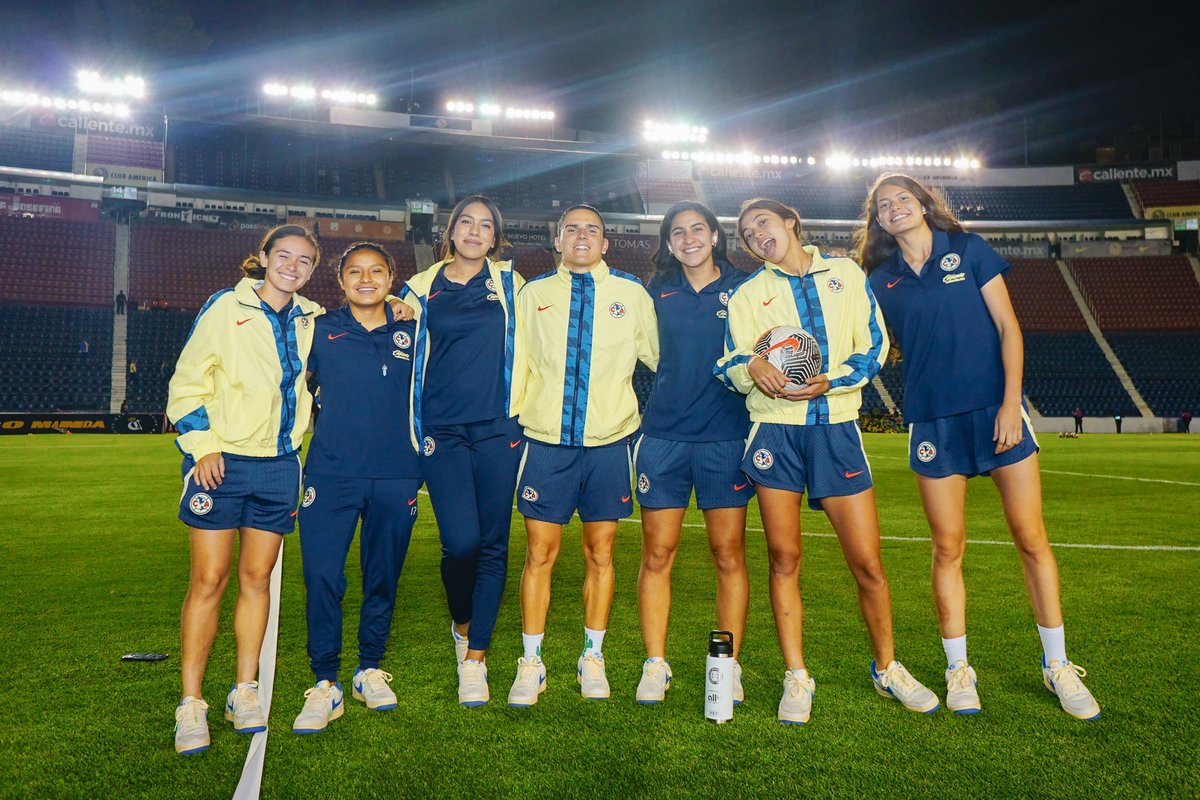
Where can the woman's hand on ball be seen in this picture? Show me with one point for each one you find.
(813, 388)
(769, 380)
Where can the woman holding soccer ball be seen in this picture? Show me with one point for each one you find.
(465, 422)
(944, 296)
(805, 436)
(693, 434)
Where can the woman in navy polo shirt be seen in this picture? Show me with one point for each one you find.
(361, 465)
(943, 294)
(693, 434)
(464, 421)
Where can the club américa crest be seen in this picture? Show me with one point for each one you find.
(200, 504)
(402, 339)
(926, 452)
(616, 310)
(428, 445)
(310, 496)
(763, 458)
(950, 262)
(835, 285)
(529, 494)
(643, 483)
(490, 284)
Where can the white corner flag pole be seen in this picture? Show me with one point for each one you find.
(250, 785)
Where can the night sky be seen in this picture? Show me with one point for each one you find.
(858, 73)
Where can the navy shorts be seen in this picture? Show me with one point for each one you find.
(667, 471)
(554, 482)
(962, 444)
(825, 460)
(256, 493)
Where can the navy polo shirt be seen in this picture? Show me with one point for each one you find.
(687, 403)
(464, 376)
(950, 347)
(362, 430)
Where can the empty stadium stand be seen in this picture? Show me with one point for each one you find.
(1164, 365)
(815, 201)
(36, 150)
(60, 262)
(1140, 292)
(1167, 193)
(155, 338)
(1026, 203)
(1064, 370)
(55, 358)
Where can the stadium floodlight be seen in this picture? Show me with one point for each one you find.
(92, 82)
(348, 97)
(673, 132)
(838, 161)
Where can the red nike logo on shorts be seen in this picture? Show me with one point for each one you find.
(412, 502)
(435, 294)
(665, 295)
(738, 488)
(543, 308)
(893, 283)
(625, 498)
(849, 474)
(340, 335)
(768, 302)
(512, 445)
(244, 321)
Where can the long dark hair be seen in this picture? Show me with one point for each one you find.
(372, 246)
(498, 244)
(872, 244)
(766, 204)
(666, 265)
(252, 266)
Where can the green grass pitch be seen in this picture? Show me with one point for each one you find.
(93, 564)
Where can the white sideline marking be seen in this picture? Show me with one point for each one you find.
(1086, 474)
(250, 785)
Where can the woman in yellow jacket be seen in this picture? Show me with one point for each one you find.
(239, 402)
(807, 438)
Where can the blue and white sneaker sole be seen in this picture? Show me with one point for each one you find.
(1050, 688)
(888, 694)
(193, 751)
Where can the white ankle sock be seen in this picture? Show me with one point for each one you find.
(533, 644)
(593, 641)
(956, 649)
(1054, 643)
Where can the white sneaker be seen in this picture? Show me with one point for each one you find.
(796, 704)
(593, 684)
(897, 683)
(191, 726)
(739, 694)
(323, 704)
(530, 682)
(656, 679)
(961, 695)
(460, 645)
(243, 709)
(371, 686)
(473, 683)
(1062, 679)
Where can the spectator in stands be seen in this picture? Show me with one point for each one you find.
(1078, 415)
(693, 435)
(465, 422)
(943, 291)
(800, 434)
(85, 347)
(241, 435)
(120, 301)
(1117, 419)
(361, 465)
(133, 367)
(579, 412)
(1185, 420)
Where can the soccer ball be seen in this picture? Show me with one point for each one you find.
(791, 350)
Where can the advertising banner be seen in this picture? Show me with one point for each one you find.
(1115, 249)
(352, 228)
(1014, 248)
(1173, 212)
(1110, 173)
(146, 127)
(80, 423)
(234, 220)
(16, 205)
(126, 176)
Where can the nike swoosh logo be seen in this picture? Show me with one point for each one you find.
(768, 302)
(665, 295)
(543, 308)
(893, 283)
(412, 502)
(625, 498)
(739, 487)
(435, 294)
(512, 445)
(340, 335)
(853, 474)
(337, 703)
(244, 321)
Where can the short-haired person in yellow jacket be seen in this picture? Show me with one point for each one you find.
(808, 438)
(240, 404)
(582, 328)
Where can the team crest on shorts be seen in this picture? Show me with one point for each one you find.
(643, 483)
(490, 284)
(763, 459)
(950, 262)
(617, 310)
(926, 452)
(200, 504)
(402, 339)
(310, 496)
(724, 298)
(835, 285)
(428, 445)
(530, 494)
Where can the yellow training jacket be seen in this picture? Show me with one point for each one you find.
(506, 282)
(239, 383)
(834, 303)
(582, 335)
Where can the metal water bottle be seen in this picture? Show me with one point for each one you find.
(718, 681)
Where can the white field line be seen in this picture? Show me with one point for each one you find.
(250, 785)
(1086, 474)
